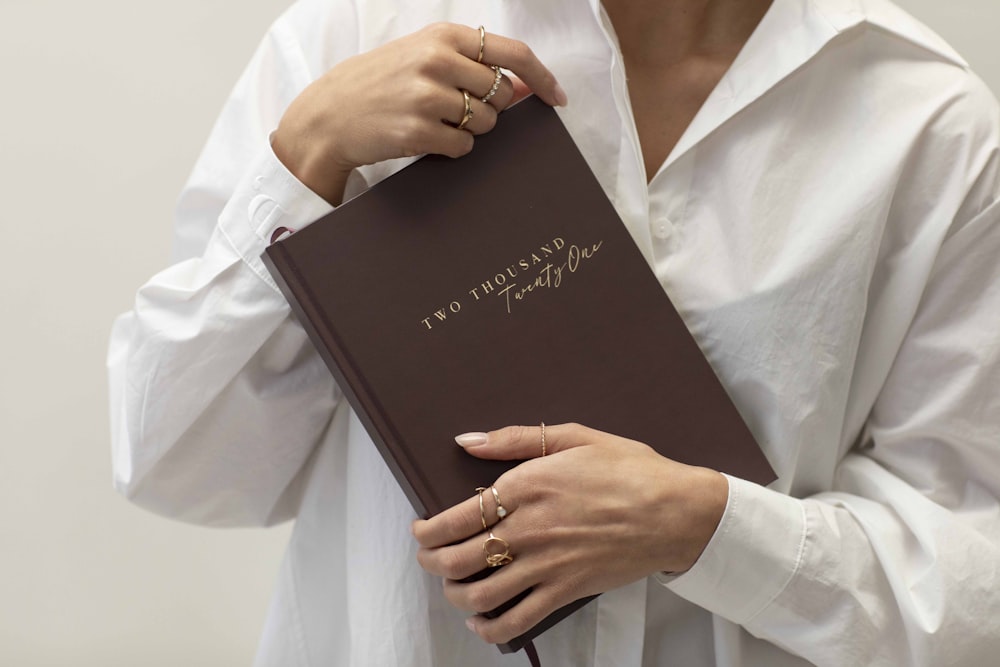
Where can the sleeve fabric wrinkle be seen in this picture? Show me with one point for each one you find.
(185, 442)
(899, 563)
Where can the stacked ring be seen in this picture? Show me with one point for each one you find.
(497, 76)
(482, 510)
(496, 550)
(482, 43)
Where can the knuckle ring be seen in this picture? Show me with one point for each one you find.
(497, 76)
(468, 110)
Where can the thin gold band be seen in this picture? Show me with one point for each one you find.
(482, 509)
(482, 43)
(543, 438)
(468, 110)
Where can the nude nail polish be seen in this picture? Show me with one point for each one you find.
(561, 98)
(475, 439)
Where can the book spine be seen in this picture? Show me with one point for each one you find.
(323, 335)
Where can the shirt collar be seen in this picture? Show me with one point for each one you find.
(892, 19)
(790, 34)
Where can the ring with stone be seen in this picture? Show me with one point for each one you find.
(501, 510)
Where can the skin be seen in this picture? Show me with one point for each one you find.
(366, 109)
(675, 52)
(599, 511)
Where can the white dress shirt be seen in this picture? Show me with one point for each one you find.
(828, 226)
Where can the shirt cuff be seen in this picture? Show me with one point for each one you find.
(751, 558)
(268, 198)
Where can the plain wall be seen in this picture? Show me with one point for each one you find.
(104, 107)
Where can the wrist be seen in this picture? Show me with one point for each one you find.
(705, 496)
(312, 163)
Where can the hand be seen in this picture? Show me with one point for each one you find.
(596, 513)
(404, 99)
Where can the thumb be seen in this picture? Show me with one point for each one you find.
(525, 442)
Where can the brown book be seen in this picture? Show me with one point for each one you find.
(501, 288)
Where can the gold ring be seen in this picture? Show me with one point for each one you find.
(468, 110)
(482, 510)
(482, 43)
(543, 438)
(497, 551)
(497, 76)
(501, 510)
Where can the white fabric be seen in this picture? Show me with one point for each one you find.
(827, 226)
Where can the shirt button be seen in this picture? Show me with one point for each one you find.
(662, 229)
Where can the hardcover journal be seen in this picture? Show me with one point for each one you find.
(501, 288)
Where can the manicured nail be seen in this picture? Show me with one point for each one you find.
(561, 98)
(469, 624)
(475, 439)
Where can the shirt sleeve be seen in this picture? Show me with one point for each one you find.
(899, 562)
(217, 396)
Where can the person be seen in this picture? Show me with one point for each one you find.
(815, 185)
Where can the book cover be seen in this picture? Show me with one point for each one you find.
(501, 288)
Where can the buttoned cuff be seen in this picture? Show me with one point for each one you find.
(267, 199)
(755, 552)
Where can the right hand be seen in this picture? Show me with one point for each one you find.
(404, 99)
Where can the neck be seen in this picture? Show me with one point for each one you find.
(664, 32)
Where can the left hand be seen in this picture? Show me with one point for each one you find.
(596, 513)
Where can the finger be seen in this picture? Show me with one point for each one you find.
(458, 561)
(517, 57)
(489, 593)
(461, 521)
(478, 79)
(454, 524)
(514, 443)
(520, 618)
(443, 139)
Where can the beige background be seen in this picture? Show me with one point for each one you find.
(104, 106)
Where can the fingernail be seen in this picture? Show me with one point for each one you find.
(475, 439)
(470, 624)
(561, 99)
